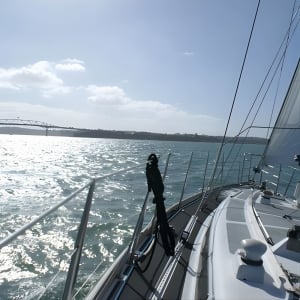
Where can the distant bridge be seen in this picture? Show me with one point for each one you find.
(32, 123)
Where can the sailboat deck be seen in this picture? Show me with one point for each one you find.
(278, 216)
(145, 285)
(268, 224)
(161, 277)
(157, 281)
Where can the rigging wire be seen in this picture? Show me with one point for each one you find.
(234, 98)
(285, 41)
(270, 68)
(282, 65)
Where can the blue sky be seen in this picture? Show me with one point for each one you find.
(162, 66)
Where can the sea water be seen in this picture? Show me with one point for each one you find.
(37, 172)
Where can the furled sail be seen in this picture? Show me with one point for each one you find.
(284, 142)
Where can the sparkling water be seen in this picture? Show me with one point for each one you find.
(38, 172)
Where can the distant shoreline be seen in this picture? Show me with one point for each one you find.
(132, 135)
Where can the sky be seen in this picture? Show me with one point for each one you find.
(164, 66)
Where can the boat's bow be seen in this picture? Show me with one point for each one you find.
(241, 254)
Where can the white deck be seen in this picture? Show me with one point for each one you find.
(229, 276)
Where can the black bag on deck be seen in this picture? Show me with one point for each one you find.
(155, 184)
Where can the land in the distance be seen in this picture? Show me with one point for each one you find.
(133, 135)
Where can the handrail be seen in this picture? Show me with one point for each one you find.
(261, 225)
(205, 172)
(278, 179)
(185, 180)
(76, 254)
(290, 181)
(74, 265)
(166, 167)
(137, 230)
(243, 167)
(276, 173)
(119, 172)
(21, 230)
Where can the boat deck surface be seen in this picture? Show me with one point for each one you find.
(150, 284)
(160, 276)
(277, 216)
(280, 216)
(247, 217)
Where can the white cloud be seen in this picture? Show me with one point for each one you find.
(38, 75)
(73, 61)
(70, 64)
(117, 111)
(70, 67)
(138, 116)
(116, 98)
(56, 91)
(107, 95)
(108, 107)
